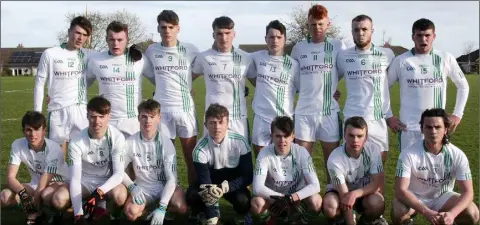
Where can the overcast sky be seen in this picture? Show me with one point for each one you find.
(36, 24)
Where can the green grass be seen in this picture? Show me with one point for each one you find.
(17, 97)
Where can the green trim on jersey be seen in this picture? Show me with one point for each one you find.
(184, 90)
(236, 109)
(280, 91)
(82, 97)
(130, 88)
(236, 136)
(437, 74)
(327, 79)
(201, 144)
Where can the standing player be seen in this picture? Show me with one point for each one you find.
(316, 112)
(357, 176)
(223, 164)
(153, 157)
(422, 74)
(38, 154)
(119, 75)
(224, 69)
(172, 61)
(426, 174)
(365, 70)
(284, 169)
(64, 69)
(95, 157)
(277, 75)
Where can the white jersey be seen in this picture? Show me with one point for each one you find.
(365, 74)
(285, 174)
(355, 173)
(318, 76)
(151, 159)
(432, 175)
(64, 70)
(423, 84)
(277, 81)
(173, 75)
(119, 81)
(98, 157)
(49, 160)
(224, 75)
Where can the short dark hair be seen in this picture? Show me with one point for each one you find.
(82, 22)
(423, 25)
(223, 22)
(168, 16)
(356, 122)
(99, 104)
(283, 123)
(436, 112)
(361, 17)
(277, 25)
(217, 111)
(149, 106)
(34, 119)
(117, 26)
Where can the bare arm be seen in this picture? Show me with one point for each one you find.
(11, 181)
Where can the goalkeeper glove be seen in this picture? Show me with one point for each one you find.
(26, 201)
(138, 197)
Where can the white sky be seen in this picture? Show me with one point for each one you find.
(36, 24)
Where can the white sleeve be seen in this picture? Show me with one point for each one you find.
(90, 74)
(198, 64)
(14, 156)
(40, 80)
(148, 69)
(457, 76)
(393, 71)
(404, 165)
(260, 176)
(340, 65)
(294, 53)
(462, 169)
(252, 69)
(127, 181)
(335, 171)
(296, 75)
(118, 165)
(170, 171)
(74, 161)
(308, 170)
(376, 165)
(386, 88)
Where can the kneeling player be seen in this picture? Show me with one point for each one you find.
(285, 177)
(426, 174)
(153, 157)
(223, 164)
(357, 176)
(95, 158)
(32, 151)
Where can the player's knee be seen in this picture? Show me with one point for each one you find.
(131, 212)
(178, 206)
(5, 196)
(242, 202)
(119, 195)
(399, 210)
(330, 205)
(374, 205)
(60, 199)
(314, 203)
(470, 215)
(256, 205)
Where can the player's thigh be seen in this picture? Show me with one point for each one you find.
(61, 194)
(408, 138)
(57, 125)
(314, 202)
(177, 201)
(118, 194)
(399, 209)
(186, 124)
(331, 203)
(90, 184)
(329, 129)
(445, 202)
(258, 204)
(11, 198)
(261, 135)
(305, 127)
(77, 119)
(378, 133)
(167, 125)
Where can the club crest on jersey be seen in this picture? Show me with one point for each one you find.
(233, 160)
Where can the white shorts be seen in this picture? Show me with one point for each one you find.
(92, 183)
(238, 126)
(182, 123)
(127, 126)
(63, 124)
(315, 127)
(377, 132)
(437, 203)
(261, 133)
(408, 138)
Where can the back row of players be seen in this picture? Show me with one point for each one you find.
(312, 70)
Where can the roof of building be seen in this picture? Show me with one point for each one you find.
(20, 56)
(473, 57)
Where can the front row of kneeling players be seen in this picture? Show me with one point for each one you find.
(284, 179)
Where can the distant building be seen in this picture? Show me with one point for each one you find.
(21, 61)
(469, 63)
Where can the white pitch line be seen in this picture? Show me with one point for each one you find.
(11, 119)
(10, 91)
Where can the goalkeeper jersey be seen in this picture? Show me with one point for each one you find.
(432, 175)
(49, 160)
(224, 75)
(119, 81)
(423, 84)
(294, 173)
(318, 76)
(277, 81)
(64, 70)
(365, 73)
(354, 172)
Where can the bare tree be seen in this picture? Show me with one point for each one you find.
(136, 30)
(297, 27)
(468, 48)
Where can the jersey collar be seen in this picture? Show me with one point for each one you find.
(346, 153)
(156, 136)
(413, 51)
(43, 146)
(124, 52)
(426, 150)
(91, 137)
(309, 40)
(372, 46)
(176, 45)
(289, 152)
